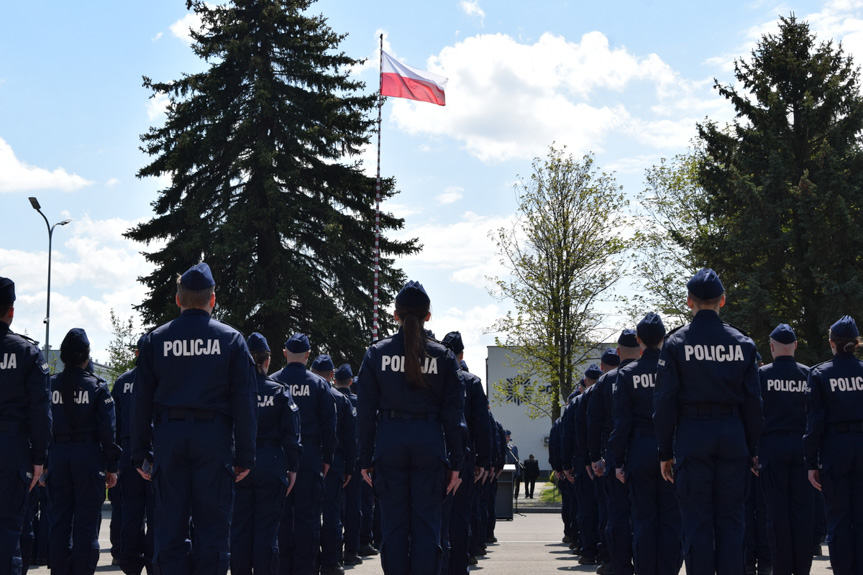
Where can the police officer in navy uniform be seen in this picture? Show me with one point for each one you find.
(410, 417)
(352, 507)
(195, 397)
(300, 530)
(135, 494)
(581, 472)
(787, 493)
(25, 427)
(708, 396)
(339, 475)
(260, 497)
(83, 459)
(834, 438)
(655, 515)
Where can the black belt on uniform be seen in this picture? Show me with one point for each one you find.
(189, 414)
(848, 427)
(13, 427)
(708, 409)
(76, 437)
(268, 442)
(394, 414)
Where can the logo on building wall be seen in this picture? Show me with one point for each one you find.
(518, 391)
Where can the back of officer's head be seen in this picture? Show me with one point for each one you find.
(627, 345)
(650, 331)
(7, 299)
(297, 348)
(412, 311)
(844, 336)
(260, 351)
(705, 291)
(324, 367)
(344, 376)
(783, 341)
(196, 288)
(75, 349)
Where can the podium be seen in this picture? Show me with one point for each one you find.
(503, 502)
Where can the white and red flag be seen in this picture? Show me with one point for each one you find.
(403, 81)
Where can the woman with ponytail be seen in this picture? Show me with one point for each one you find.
(410, 415)
(833, 445)
(82, 460)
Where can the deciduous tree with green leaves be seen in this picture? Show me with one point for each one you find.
(122, 347)
(264, 185)
(784, 189)
(560, 255)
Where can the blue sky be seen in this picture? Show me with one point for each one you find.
(625, 80)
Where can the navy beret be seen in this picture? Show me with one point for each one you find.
(76, 341)
(844, 328)
(705, 284)
(323, 363)
(298, 343)
(610, 357)
(344, 372)
(783, 334)
(507, 432)
(413, 295)
(627, 338)
(593, 372)
(650, 329)
(453, 341)
(7, 291)
(198, 277)
(463, 366)
(257, 342)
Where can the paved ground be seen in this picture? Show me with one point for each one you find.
(530, 543)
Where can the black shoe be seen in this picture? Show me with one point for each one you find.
(332, 570)
(472, 561)
(491, 539)
(566, 539)
(366, 550)
(352, 559)
(587, 560)
(605, 568)
(817, 551)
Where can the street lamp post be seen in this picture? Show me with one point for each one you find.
(35, 203)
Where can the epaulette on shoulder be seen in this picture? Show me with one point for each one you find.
(737, 328)
(674, 330)
(28, 339)
(812, 367)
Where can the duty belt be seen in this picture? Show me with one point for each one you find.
(848, 427)
(394, 414)
(708, 409)
(190, 414)
(13, 427)
(76, 437)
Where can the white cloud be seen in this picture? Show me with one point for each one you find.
(112, 182)
(181, 28)
(156, 37)
(16, 176)
(372, 62)
(471, 322)
(472, 8)
(157, 105)
(450, 195)
(508, 100)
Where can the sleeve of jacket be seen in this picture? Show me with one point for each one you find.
(368, 400)
(665, 400)
(328, 418)
(595, 419)
(38, 386)
(481, 425)
(752, 408)
(452, 412)
(553, 446)
(350, 445)
(107, 428)
(815, 420)
(581, 429)
(567, 435)
(244, 403)
(289, 429)
(623, 412)
(141, 429)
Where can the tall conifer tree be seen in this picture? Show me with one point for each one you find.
(784, 190)
(262, 186)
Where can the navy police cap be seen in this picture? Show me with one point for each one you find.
(323, 363)
(453, 341)
(413, 295)
(344, 372)
(627, 338)
(705, 284)
(463, 365)
(650, 329)
(76, 341)
(610, 357)
(198, 277)
(298, 343)
(844, 328)
(593, 372)
(7, 291)
(783, 334)
(257, 342)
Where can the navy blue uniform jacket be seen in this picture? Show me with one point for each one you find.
(476, 418)
(317, 406)
(278, 419)
(633, 401)
(783, 392)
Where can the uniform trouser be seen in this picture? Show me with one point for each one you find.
(352, 513)
(841, 478)
(41, 527)
(409, 484)
(655, 512)
(331, 524)
(445, 518)
(529, 485)
(588, 514)
(14, 467)
(565, 508)
(574, 531)
(116, 520)
(300, 529)
(460, 520)
(28, 528)
(135, 496)
(789, 498)
(258, 504)
(711, 468)
(76, 491)
(367, 506)
(477, 518)
(602, 550)
(491, 514)
(618, 529)
(193, 479)
(757, 547)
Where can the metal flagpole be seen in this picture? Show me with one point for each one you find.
(378, 195)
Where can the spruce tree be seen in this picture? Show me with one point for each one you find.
(265, 187)
(784, 190)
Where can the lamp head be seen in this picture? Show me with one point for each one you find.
(64, 222)
(35, 203)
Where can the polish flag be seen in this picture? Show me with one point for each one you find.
(403, 81)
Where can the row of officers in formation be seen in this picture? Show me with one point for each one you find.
(214, 465)
(682, 447)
